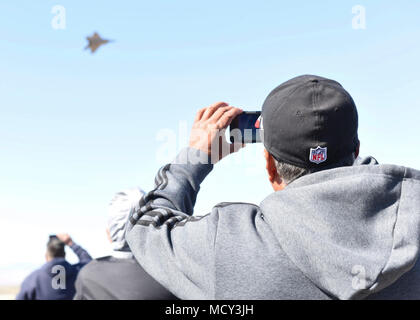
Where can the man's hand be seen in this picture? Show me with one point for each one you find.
(208, 131)
(64, 237)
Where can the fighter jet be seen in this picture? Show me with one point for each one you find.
(95, 42)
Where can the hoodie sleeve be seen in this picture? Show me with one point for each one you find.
(174, 247)
(82, 254)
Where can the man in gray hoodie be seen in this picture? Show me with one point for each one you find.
(336, 227)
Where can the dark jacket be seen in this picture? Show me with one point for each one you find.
(39, 285)
(110, 278)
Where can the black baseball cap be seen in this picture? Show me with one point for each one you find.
(310, 122)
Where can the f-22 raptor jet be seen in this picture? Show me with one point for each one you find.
(95, 41)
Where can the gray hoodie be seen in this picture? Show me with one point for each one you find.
(345, 233)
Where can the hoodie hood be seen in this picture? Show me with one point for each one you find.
(352, 230)
(122, 204)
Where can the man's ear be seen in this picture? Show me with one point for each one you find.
(270, 166)
(357, 150)
(276, 182)
(108, 235)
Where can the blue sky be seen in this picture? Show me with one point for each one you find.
(76, 128)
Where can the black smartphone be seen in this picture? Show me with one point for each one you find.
(53, 236)
(245, 128)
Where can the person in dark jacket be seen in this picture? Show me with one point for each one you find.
(55, 279)
(119, 276)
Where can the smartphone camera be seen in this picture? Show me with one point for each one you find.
(245, 128)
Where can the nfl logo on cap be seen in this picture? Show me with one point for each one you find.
(318, 155)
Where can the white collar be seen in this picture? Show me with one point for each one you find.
(121, 254)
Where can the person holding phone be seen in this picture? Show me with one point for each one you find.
(55, 279)
(337, 226)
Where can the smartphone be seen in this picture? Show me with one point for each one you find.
(245, 129)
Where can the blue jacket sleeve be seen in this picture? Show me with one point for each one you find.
(82, 254)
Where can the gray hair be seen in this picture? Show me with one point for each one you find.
(122, 204)
(290, 173)
(55, 248)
